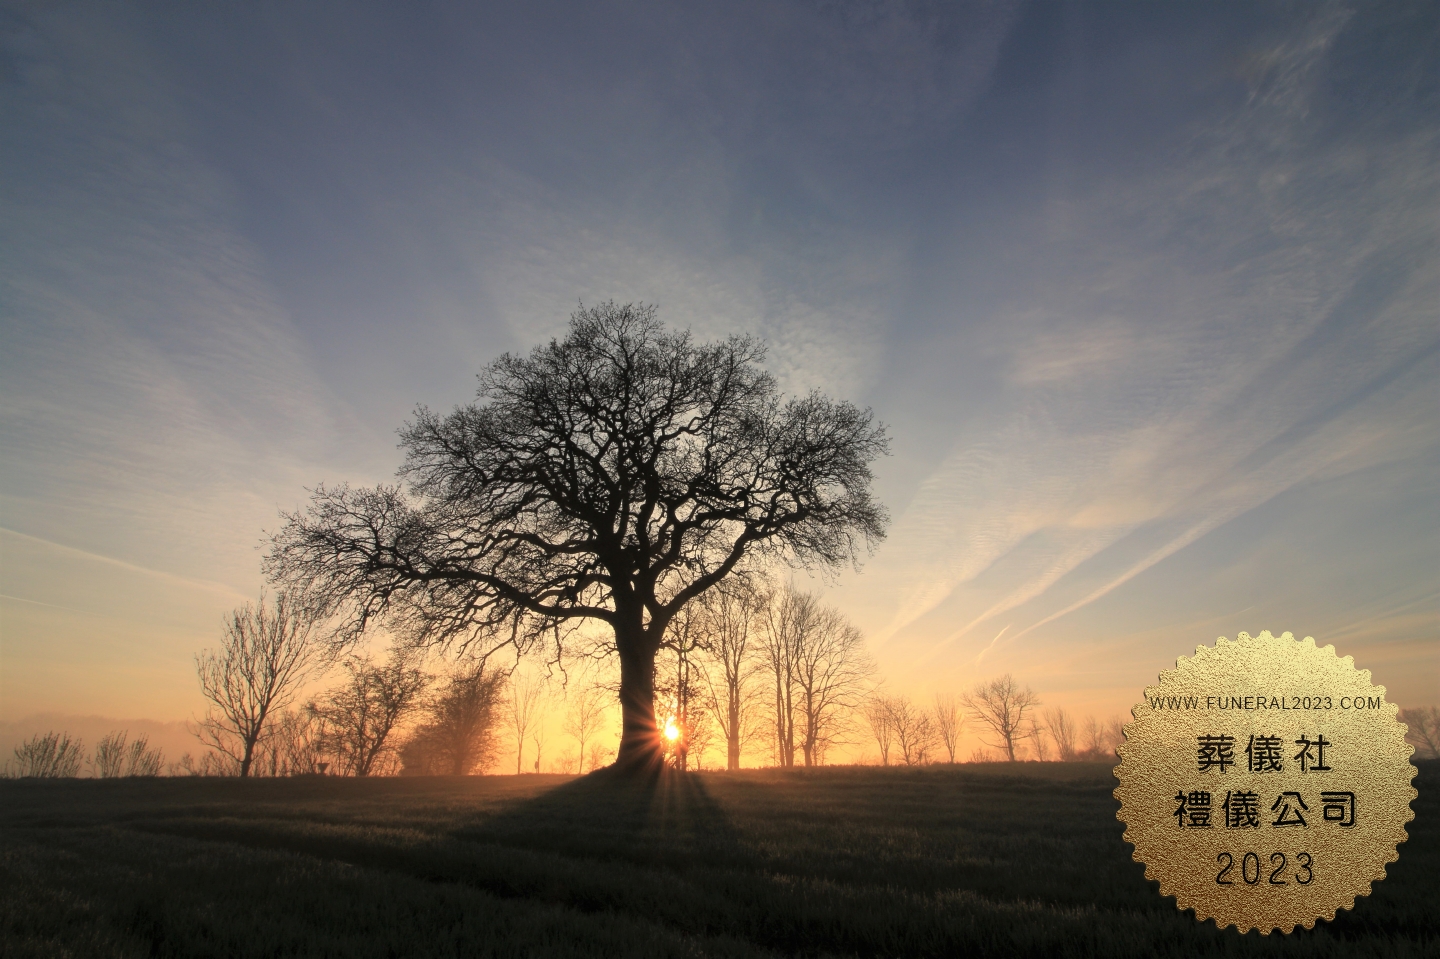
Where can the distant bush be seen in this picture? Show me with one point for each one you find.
(51, 756)
(1423, 730)
(113, 758)
(210, 764)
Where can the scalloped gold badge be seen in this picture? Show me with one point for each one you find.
(1265, 782)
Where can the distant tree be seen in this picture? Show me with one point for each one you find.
(51, 756)
(785, 614)
(587, 712)
(266, 652)
(1092, 737)
(949, 723)
(699, 736)
(1002, 706)
(1062, 730)
(1035, 734)
(114, 757)
(363, 711)
(830, 671)
(882, 725)
(679, 682)
(614, 475)
(210, 763)
(297, 742)
(108, 761)
(1423, 730)
(523, 703)
(538, 739)
(458, 739)
(732, 613)
(914, 730)
(1100, 739)
(598, 755)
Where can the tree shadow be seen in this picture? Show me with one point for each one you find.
(662, 818)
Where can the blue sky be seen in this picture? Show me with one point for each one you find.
(1146, 294)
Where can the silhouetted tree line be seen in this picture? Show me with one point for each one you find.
(57, 756)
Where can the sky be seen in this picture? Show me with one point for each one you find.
(1145, 294)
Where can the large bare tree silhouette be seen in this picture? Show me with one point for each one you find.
(609, 477)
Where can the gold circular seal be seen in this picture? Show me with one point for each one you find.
(1265, 782)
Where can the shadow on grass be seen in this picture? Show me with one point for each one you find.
(665, 819)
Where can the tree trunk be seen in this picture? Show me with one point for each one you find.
(249, 757)
(640, 747)
(732, 758)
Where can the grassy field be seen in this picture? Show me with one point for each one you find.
(941, 861)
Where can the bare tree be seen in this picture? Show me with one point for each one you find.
(784, 616)
(108, 761)
(830, 672)
(614, 475)
(586, 715)
(1100, 739)
(266, 652)
(732, 612)
(949, 722)
(538, 739)
(525, 693)
(699, 735)
(1035, 733)
(1001, 706)
(679, 682)
(1423, 730)
(882, 726)
(598, 756)
(1092, 736)
(914, 730)
(363, 711)
(114, 757)
(1062, 730)
(459, 737)
(297, 739)
(51, 756)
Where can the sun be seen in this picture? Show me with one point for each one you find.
(672, 731)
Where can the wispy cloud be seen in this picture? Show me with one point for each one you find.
(1228, 342)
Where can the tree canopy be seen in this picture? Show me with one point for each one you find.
(611, 476)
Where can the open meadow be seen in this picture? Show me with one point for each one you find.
(968, 860)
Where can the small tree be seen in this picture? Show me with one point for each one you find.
(732, 612)
(365, 708)
(114, 757)
(51, 756)
(680, 683)
(586, 715)
(829, 672)
(1035, 733)
(1423, 730)
(882, 725)
(1062, 730)
(459, 738)
(914, 730)
(523, 702)
(949, 723)
(784, 614)
(1100, 739)
(1002, 706)
(538, 739)
(265, 653)
(108, 761)
(298, 739)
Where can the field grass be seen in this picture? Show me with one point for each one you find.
(943, 861)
